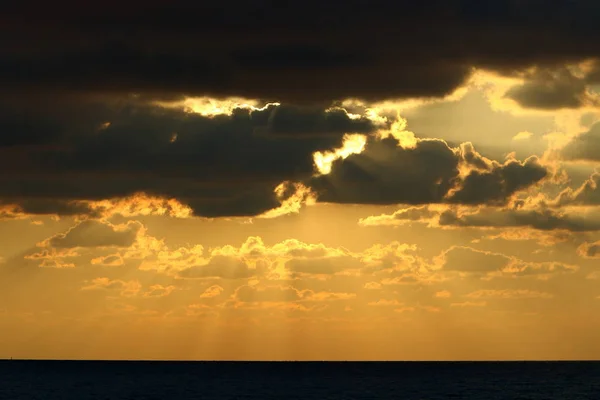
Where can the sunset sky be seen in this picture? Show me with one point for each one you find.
(408, 180)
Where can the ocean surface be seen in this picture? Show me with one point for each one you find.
(146, 380)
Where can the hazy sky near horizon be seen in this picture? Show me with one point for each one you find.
(374, 181)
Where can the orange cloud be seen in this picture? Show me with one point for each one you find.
(509, 294)
(125, 288)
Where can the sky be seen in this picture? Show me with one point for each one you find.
(310, 181)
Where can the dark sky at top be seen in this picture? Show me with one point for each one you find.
(68, 68)
(286, 51)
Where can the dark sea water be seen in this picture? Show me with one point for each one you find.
(83, 380)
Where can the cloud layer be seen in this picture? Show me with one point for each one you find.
(188, 48)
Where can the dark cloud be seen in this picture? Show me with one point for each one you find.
(230, 165)
(593, 74)
(585, 146)
(76, 120)
(387, 173)
(52, 206)
(551, 89)
(587, 194)
(294, 52)
(537, 219)
(94, 233)
(496, 184)
(220, 165)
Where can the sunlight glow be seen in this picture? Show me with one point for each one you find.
(406, 139)
(140, 204)
(353, 144)
(210, 107)
(290, 204)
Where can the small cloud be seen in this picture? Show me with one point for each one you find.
(509, 294)
(111, 260)
(385, 303)
(125, 288)
(309, 295)
(593, 275)
(372, 285)
(524, 135)
(444, 294)
(404, 309)
(92, 233)
(213, 291)
(589, 250)
(469, 304)
(55, 263)
(159, 291)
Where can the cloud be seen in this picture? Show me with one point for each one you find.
(54, 258)
(509, 294)
(589, 250)
(443, 294)
(523, 135)
(138, 204)
(124, 288)
(585, 146)
(283, 298)
(541, 270)
(137, 158)
(542, 219)
(387, 173)
(154, 160)
(400, 168)
(402, 216)
(372, 285)
(283, 57)
(250, 294)
(466, 259)
(586, 194)
(159, 291)
(111, 260)
(56, 263)
(469, 304)
(392, 256)
(323, 266)
(496, 184)
(92, 233)
(283, 260)
(219, 267)
(212, 291)
(386, 303)
(552, 89)
(312, 296)
(593, 275)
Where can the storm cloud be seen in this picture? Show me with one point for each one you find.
(308, 51)
(218, 165)
(387, 172)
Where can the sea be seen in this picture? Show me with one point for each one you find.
(153, 380)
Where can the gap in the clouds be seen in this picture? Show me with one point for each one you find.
(472, 119)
